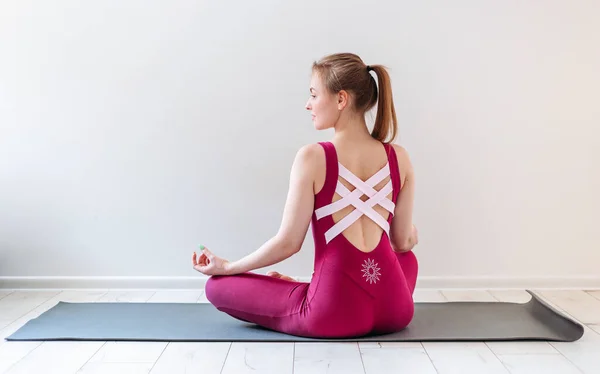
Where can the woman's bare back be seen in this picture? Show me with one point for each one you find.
(364, 161)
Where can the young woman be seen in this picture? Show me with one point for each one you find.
(357, 191)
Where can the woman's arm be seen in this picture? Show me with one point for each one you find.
(296, 216)
(403, 234)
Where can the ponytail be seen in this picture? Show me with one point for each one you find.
(347, 71)
(386, 124)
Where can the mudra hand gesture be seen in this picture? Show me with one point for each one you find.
(209, 264)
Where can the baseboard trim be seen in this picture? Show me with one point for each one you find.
(518, 283)
(107, 282)
(425, 282)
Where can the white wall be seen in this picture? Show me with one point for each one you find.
(132, 131)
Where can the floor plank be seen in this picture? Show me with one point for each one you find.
(132, 352)
(175, 296)
(315, 358)
(183, 357)
(13, 352)
(522, 347)
(511, 296)
(115, 368)
(579, 304)
(538, 364)
(428, 296)
(396, 358)
(4, 293)
(595, 294)
(584, 352)
(126, 297)
(468, 295)
(202, 298)
(378, 345)
(463, 358)
(19, 303)
(56, 357)
(276, 358)
(4, 323)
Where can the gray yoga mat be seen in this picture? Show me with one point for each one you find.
(448, 321)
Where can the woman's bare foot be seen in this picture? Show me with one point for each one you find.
(275, 274)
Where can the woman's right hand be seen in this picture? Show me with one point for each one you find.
(415, 236)
(209, 264)
(412, 241)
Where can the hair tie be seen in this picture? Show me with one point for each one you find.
(369, 68)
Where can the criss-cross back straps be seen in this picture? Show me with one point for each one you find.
(353, 198)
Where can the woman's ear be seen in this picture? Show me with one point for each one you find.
(343, 99)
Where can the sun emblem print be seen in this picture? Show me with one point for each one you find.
(371, 271)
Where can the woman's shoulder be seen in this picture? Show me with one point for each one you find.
(404, 162)
(309, 164)
(310, 153)
(400, 150)
(310, 156)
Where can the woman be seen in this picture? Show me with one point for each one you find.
(357, 191)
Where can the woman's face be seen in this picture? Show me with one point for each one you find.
(322, 104)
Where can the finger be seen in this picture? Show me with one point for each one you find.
(203, 249)
(206, 270)
(204, 260)
(208, 253)
(194, 259)
(198, 259)
(203, 266)
(200, 269)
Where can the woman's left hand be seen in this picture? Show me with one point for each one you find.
(209, 264)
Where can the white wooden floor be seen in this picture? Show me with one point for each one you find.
(17, 307)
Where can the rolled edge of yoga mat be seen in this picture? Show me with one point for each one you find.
(564, 326)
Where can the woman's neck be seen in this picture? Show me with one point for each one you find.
(351, 131)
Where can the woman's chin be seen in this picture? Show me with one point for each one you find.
(319, 126)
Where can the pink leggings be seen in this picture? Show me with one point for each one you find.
(336, 303)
